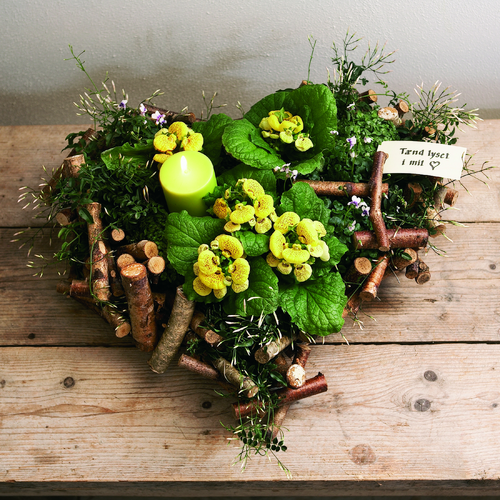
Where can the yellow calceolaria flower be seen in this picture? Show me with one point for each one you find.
(315, 251)
(230, 246)
(307, 232)
(286, 136)
(296, 255)
(239, 270)
(193, 142)
(277, 243)
(263, 225)
(303, 143)
(271, 260)
(203, 247)
(221, 293)
(200, 288)
(263, 205)
(286, 222)
(298, 124)
(221, 208)
(179, 129)
(252, 188)
(215, 281)
(231, 227)
(284, 267)
(162, 157)
(264, 124)
(208, 262)
(242, 213)
(196, 268)
(319, 228)
(302, 272)
(164, 142)
(240, 288)
(325, 256)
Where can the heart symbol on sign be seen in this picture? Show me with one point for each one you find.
(434, 164)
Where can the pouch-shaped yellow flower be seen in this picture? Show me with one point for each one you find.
(230, 246)
(200, 288)
(302, 272)
(214, 281)
(240, 288)
(286, 222)
(179, 129)
(208, 262)
(263, 205)
(221, 208)
(240, 270)
(307, 232)
(277, 243)
(242, 213)
(262, 226)
(193, 142)
(296, 255)
(252, 188)
(164, 142)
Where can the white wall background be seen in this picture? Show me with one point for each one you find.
(243, 49)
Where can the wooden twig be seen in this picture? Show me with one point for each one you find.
(143, 250)
(339, 188)
(124, 260)
(353, 305)
(117, 235)
(413, 193)
(204, 370)
(155, 266)
(376, 202)
(398, 238)
(313, 386)
(244, 384)
(296, 374)
(359, 270)
(269, 351)
(368, 96)
(171, 340)
(209, 336)
(424, 274)
(372, 284)
(140, 305)
(399, 262)
(98, 252)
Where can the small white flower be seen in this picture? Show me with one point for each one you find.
(368, 140)
(334, 132)
(351, 141)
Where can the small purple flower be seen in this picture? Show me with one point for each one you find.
(352, 226)
(351, 141)
(142, 109)
(158, 117)
(367, 140)
(355, 201)
(366, 211)
(123, 104)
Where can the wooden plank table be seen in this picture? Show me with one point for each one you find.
(413, 405)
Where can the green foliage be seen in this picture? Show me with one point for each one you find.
(313, 103)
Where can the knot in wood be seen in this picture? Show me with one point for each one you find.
(430, 376)
(422, 405)
(69, 382)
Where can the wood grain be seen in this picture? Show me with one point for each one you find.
(412, 406)
(392, 413)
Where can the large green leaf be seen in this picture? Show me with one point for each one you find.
(185, 234)
(316, 306)
(302, 200)
(244, 142)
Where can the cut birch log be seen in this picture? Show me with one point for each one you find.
(171, 340)
(340, 188)
(372, 284)
(398, 238)
(376, 202)
(140, 306)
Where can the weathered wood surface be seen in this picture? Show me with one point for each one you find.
(82, 413)
(392, 414)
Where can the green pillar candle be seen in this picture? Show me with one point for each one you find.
(186, 177)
